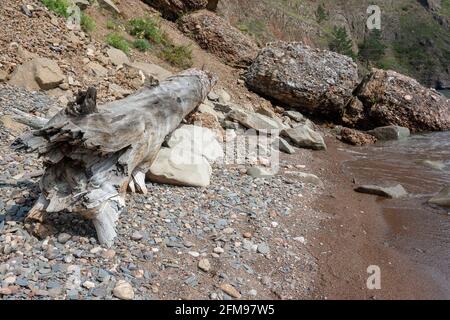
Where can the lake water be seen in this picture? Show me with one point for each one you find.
(419, 231)
(445, 92)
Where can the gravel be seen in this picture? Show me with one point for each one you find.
(163, 237)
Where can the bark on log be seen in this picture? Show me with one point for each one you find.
(92, 155)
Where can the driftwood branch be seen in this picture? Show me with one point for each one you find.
(92, 155)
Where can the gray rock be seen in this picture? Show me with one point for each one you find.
(260, 172)
(294, 115)
(64, 237)
(263, 248)
(393, 192)
(443, 198)
(305, 137)
(390, 133)
(282, 145)
(253, 120)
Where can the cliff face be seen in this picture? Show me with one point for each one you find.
(415, 32)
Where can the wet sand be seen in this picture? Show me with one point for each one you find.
(360, 233)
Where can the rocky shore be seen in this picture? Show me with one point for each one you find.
(262, 227)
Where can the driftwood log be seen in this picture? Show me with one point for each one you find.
(93, 155)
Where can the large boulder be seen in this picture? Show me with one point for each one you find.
(391, 98)
(390, 133)
(313, 81)
(186, 161)
(173, 9)
(38, 73)
(219, 37)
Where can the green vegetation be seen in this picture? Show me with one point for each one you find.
(341, 42)
(321, 14)
(87, 23)
(150, 36)
(147, 28)
(118, 41)
(141, 44)
(180, 56)
(57, 6)
(111, 25)
(372, 49)
(445, 10)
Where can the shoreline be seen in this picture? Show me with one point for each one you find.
(355, 237)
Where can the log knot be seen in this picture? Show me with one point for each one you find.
(85, 103)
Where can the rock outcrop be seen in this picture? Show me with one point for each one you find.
(173, 9)
(310, 80)
(219, 37)
(391, 98)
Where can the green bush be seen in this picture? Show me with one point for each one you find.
(147, 28)
(141, 44)
(87, 23)
(57, 6)
(118, 41)
(179, 56)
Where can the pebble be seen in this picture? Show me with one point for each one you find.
(263, 248)
(247, 235)
(123, 290)
(96, 250)
(89, 285)
(218, 250)
(204, 265)
(230, 290)
(137, 236)
(195, 254)
(253, 293)
(300, 239)
(109, 254)
(64, 237)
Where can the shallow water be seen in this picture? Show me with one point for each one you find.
(416, 229)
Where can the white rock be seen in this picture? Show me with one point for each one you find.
(173, 167)
(199, 140)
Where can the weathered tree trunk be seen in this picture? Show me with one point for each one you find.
(92, 155)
